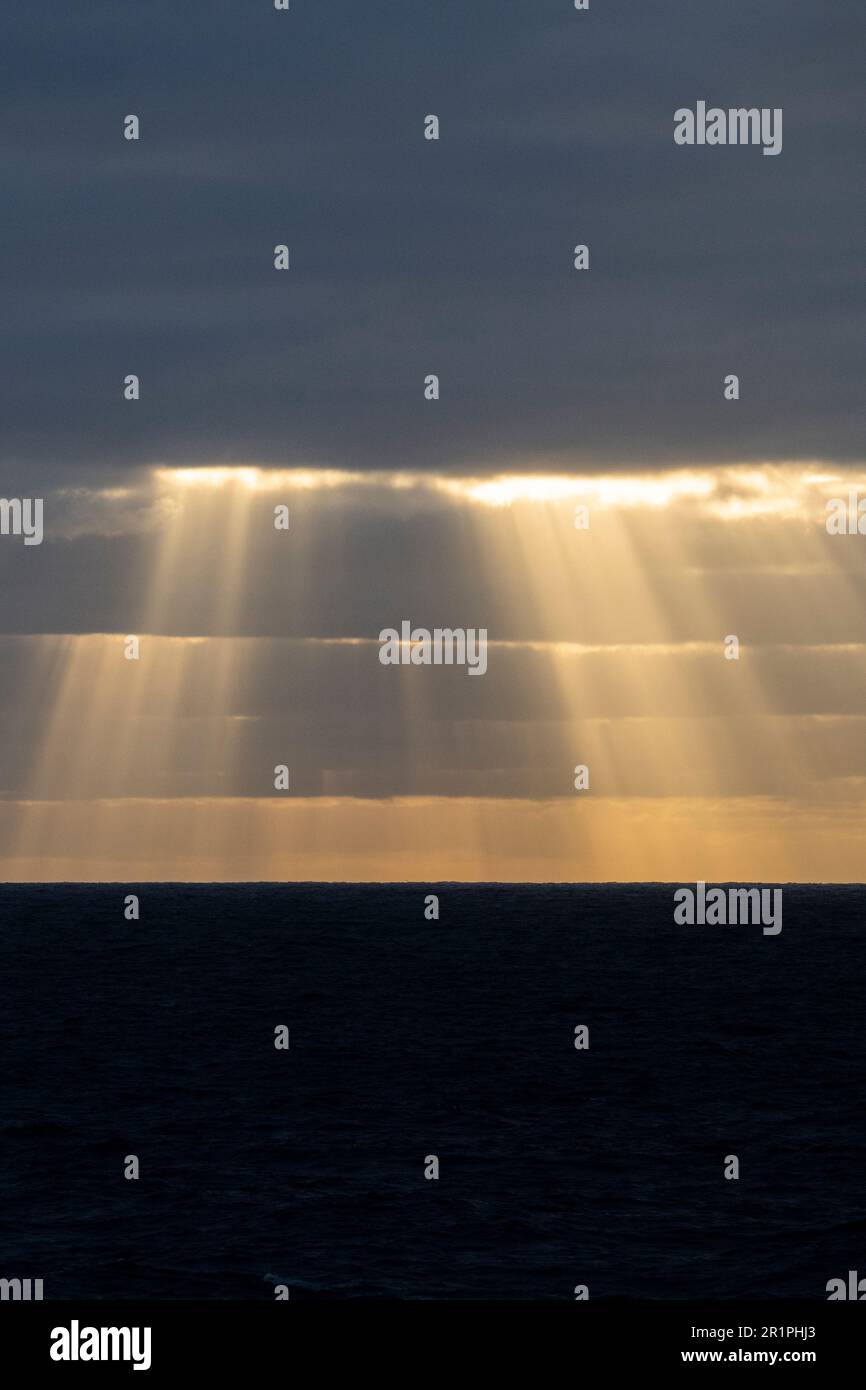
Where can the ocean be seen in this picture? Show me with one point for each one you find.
(412, 1038)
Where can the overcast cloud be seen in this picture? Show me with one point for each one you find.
(410, 257)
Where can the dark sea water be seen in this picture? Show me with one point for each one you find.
(408, 1038)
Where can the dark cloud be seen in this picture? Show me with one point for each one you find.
(410, 257)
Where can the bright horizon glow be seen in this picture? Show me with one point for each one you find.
(606, 490)
(735, 492)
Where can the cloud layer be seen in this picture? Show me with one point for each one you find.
(411, 257)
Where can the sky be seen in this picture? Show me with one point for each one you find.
(603, 389)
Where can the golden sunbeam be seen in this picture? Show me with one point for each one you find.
(609, 614)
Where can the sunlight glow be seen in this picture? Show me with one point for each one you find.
(608, 651)
(607, 490)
